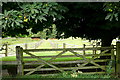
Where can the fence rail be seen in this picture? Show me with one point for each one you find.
(11, 50)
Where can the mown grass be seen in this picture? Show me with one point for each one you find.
(13, 58)
(12, 41)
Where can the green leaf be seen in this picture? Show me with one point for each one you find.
(36, 20)
(36, 11)
(111, 17)
(1, 22)
(45, 11)
(116, 16)
(107, 17)
(17, 23)
(20, 21)
(12, 24)
(33, 17)
(32, 11)
(44, 19)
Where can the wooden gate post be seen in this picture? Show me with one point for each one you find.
(118, 58)
(113, 59)
(19, 58)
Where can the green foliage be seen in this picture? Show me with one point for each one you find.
(109, 68)
(113, 10)
(50, 32)
(69, 75)
(53, 32)
(41, 34)
(30, 14)
(21, 36)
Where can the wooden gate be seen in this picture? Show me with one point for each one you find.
(83, 61)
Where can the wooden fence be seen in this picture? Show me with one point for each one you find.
(83, 64)
(5, 49)
(10, 49)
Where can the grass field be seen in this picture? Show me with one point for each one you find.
(12, 41)
(70, 43)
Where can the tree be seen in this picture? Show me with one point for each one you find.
(89, 20)
(36, 15)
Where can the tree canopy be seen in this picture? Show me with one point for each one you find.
(17, 17)
(92, 20)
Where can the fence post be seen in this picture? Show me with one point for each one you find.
(118, 58)
(57, 45)
(25, 45)
(6, 49)
(113, 59)
(84, 49)
(64, 45)
(94, 50)
(19, 58)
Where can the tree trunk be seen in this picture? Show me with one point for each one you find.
(106, 42)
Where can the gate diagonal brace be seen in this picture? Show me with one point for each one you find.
(53, 58)
(92, 62)
(40, 60)
(78, 55)
(88, 60)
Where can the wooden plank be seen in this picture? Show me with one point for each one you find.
(66, 68)
(70, 55)
(64, 62)
(51, 56)
(9, 62)
(59, 62)
(61, 49)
